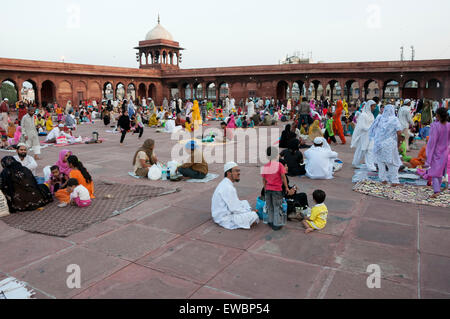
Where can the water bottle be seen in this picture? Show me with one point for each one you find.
(164, 173)
(168, 173)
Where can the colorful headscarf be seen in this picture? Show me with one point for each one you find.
(63, 166)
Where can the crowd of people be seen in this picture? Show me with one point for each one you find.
(383, 132)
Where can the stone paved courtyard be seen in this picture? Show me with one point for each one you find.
(169, 247)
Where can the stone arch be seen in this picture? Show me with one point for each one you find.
(94, 91)
(108, 91)
(65, 92)
(282, 90)
(48, 92)
(198, 91)
(120, 91)
(10, 90)
(174, 92)
(224, 90)
(433, 89)
(187, 91)
(391, 89)
(211, 91)
(298, 90)
(29, 91)
(371, 89)
(411, 89)
(152, 92)
(142, 91)
(333, 90)
(81, 91)
(351, 90)
(316, 89)
(131, 91)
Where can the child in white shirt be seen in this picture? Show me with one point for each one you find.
(79, 195)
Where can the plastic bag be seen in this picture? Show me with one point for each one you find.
(154, 173)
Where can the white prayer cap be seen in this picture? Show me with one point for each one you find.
(318, 140)
(5, 99)
(61, 125)
(407, 101)
(230, 166)
(22, 144)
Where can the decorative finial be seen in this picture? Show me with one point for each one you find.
(159, 20)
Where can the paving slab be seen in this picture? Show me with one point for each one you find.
(8, 233)
(296, 245)
(391, 212)
(94, 231)
(131, 242)
(265, 277)
(176, 220)
(387, 233)
(353, 286)
(50, 275)
(193, 260)
(23, 250)
(435, 240)
(138, 282)
(397, 264)
(435, 216)
(435, 272)
(206, 293)
(336, 224)
(239, 238)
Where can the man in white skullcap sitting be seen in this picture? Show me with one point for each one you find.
(320, 160)
(227, 210)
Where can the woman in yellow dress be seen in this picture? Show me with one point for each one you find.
(315, 131)
(49, 123)
(196, 117)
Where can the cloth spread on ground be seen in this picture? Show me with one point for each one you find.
(208, 178)
(404, 193)
(63, 222)
(408, 177)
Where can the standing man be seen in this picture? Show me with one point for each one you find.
(4, 113)
(227, 105)
(304, 113)
(405, 118)
(30, 133)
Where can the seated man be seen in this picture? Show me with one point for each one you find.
(196, 168)
(54, 134)
(227, 210)
(26, 160)
(70, 121)
(320, 160)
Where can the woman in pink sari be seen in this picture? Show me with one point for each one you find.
(437, 150)
(17, 136)
(62, 162)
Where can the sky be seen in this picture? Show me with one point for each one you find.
(226, 33)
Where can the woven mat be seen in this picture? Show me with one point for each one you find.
(403, 193)
(63, 222)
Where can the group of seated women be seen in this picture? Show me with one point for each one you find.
(68, 181)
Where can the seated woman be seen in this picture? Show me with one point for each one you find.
(80, 173)
(286, 136)
(294, 159)
(420, 160)
(144, 159)
(196, 168)
(315, 130)
(20, 187)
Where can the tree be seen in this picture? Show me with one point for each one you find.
(7, 90)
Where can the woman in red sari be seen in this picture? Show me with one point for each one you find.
(337, 124)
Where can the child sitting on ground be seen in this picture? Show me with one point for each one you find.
(319, 213)
(4, 143)
(57, 180)
(79, 195)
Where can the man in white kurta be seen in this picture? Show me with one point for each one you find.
(405, 118)
(227, 210)
(26, 160)
(30, 133)
(251, 108)
(361, 140)
(320, 160)
(227, 105)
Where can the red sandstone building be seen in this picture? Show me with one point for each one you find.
(159, 76)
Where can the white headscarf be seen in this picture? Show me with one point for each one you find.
(384, 133)
(365, 121)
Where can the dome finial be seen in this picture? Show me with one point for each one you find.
(159, 20)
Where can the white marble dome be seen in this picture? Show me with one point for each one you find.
(159, 33)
